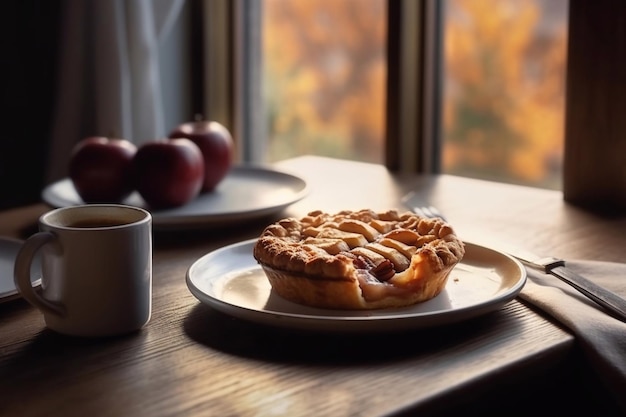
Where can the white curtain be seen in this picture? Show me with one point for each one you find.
(109, 77)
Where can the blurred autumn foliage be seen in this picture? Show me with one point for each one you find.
(324, 75)
(503, 91)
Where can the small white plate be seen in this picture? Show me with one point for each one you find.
(230, 280)
(245, 193)
(8, 253)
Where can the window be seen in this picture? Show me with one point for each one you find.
(468, 87)
(324, 72)
(504, 90)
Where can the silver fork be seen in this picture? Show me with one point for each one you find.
(424, 211)
(613, 303)
(428, 211)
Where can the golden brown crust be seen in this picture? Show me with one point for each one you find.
(358, 259)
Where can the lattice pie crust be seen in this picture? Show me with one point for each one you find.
(358, 259)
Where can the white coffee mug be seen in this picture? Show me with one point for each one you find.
(96, 267)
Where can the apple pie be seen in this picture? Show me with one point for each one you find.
(358, 259)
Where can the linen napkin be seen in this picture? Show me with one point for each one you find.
(602, 337)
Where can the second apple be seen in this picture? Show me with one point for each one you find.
(215, 143)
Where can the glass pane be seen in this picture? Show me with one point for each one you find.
(504, 88)
(324, 74)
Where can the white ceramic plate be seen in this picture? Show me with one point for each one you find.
(245, 193)
(230, 280)
(8, 253)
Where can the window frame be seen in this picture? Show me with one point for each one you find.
(414, 88)
(594, 171)
(414, 69)
(231, 92)
(231, 68)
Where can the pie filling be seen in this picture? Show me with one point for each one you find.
(372, 289)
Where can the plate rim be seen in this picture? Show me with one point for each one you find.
(165, 220)
(14, 293)
(364, 323)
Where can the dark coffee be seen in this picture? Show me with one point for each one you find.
(95, 222)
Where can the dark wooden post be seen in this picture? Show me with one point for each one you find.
(595, 126)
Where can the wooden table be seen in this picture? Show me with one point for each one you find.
(193, 360)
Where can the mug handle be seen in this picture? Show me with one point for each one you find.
(21, 273)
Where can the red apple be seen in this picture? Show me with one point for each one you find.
(216, 144)
(100, 169)
(168, 173)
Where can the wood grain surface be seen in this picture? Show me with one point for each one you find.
(192, 360)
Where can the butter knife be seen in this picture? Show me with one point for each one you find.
(612, 302)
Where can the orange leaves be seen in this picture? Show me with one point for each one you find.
(505, 63)
(324, 74)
